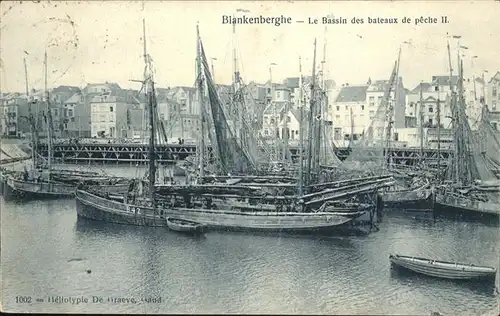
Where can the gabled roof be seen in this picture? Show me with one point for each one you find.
(495, 77)
(275, 106)
(65, 89)
(479, 80)
(444, 80)
(425, 87)
(75, 98)
(352, 94)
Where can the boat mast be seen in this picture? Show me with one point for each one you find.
(351, 139)
(438, 121)
(421, 119)
(390, 111)
(148, 81)
(201, 104)
(49, 118)
(301, 132)
(237, 106)
(324, 104)
(312, 117)
(454, 115)
(30, 116)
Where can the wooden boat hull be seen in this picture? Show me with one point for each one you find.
(190, 228)
(94, 207)
(20, 189)
(417, 199)
(465, 206)
(442, 270)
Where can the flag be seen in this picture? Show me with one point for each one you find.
(457, 36)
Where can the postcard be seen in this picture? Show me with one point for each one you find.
(250, 157)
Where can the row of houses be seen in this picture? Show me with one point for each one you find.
(107, 110)
(352, 109)
(97, 110)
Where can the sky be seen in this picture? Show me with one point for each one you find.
(92, 42)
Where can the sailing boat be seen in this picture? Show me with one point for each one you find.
(228, 207)
(419, 195)
(463, 191)
(45, 181)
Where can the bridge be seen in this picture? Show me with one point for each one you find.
(136, 153)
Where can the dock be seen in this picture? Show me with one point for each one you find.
(66, 152)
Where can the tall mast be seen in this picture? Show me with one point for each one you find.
(311, 119)
(301, 132)
(438, 104)
(49, 118)
(201, 104)
(351, 139)
(421, 120)
(454, 115)
(30, 116)
(150, 99)
(236, 98)
(390, 110)
(274, 157)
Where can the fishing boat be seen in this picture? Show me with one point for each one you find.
(218, 206)
(443, 269)
(42, 180)
(465, 190)
(183, 226)
(419, 198)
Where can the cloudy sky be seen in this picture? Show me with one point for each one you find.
(102, 41)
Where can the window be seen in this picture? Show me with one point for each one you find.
(70, 112)
(362, 107)
(431, 109)
(278, 94)
(110, 108)
(411, 114)
(379, 100)
(266, 132)
(396, 137)
(494, 91)
(411, 104)
(372, 113)
(494, 105)
(288, 119)
(495, 127)
(430, 122)
(346, 107)
(372, 99)
(72, 119)
(337, 133)
(337, 117)
(338, 108)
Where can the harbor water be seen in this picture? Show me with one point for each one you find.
(48, 254)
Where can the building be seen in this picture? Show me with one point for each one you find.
(422, 103)
(109, 116)
(355, 108)
(493, 95)
(293, 125)
(350, 114)
(474, 95)
(186, 97)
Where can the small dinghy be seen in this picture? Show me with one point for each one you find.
(443, 269)
(183, 226)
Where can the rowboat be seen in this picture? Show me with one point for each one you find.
(183, 226)
(443, 269)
